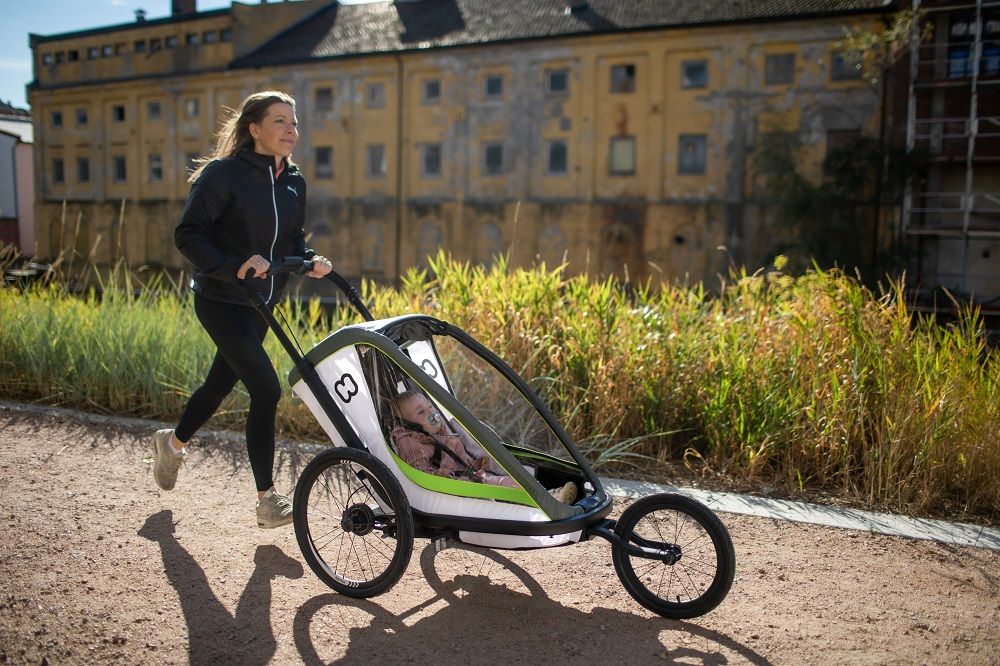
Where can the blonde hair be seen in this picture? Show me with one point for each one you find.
(234, 136)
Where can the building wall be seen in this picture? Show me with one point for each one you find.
(25, 169)
(653, 220)
(8, 181)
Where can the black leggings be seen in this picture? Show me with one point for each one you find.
(238, 332)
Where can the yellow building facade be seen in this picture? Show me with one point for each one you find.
(620, 151)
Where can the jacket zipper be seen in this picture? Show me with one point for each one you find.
(274, 202)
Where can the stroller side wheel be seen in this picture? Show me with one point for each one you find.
(353, 522)
(696, 562)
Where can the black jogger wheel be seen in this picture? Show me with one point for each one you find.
(353, 522)
(696, 562)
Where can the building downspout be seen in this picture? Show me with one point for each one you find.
(399, 169)
(880, 167)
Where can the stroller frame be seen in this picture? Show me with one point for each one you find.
(587, 518)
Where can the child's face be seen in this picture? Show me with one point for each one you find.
(419, 410)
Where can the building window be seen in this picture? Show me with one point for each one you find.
(107, 50)
(154, 111)
(431, 91)
(57, 118)
(118, 170)
(73, 55)
(48, 59)
(691, 154)
(192, 39)
(430, 160)
(117, 113)
(621, 160)
(209, 37)
(155, 168)
(191, 107)
(324, 100)
(93, 53)
(779, 68)
(171, 41)
(375, 160)
(58, 176)
(558, 158)
(155, 44)
(226, 34)
(324, 162)
(120, 48)
(845, 66)
(375, 95)
(60, 57)
(623, 79)
(694, 74)
(492, 159)
(557, 81)
(81, 117)
(139, 46)
(493, 87)
(82, 170)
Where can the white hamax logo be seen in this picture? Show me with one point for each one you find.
(292, 189)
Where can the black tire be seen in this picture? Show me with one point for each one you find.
(703, 573)
(353, 522)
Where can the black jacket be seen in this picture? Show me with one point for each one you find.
(237, 209)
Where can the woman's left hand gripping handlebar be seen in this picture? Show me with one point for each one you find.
(321, 266)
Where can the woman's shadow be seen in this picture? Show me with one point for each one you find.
(214, 633)
(492, 622)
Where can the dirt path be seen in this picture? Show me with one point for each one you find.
(98, 566)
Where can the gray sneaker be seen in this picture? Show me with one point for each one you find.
(273, 510)
(166, 461)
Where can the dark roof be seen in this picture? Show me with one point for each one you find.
(10, 111)
(382, 27)
(148, 23)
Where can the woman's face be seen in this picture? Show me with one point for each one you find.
(419, 410)
(277, 132)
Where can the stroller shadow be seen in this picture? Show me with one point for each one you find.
(214, 634)
(471, 627)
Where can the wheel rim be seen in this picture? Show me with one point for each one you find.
(351, 524)
(686, 541)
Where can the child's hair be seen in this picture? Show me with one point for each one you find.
(396, 403)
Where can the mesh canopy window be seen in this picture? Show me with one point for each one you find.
(476, 384)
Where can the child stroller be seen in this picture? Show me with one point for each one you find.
(358, 505)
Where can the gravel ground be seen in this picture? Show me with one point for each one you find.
(99, 566)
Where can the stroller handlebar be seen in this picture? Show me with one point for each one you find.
(301, 266)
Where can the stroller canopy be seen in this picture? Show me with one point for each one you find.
(505, 429)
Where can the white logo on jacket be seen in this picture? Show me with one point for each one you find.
(292, 189)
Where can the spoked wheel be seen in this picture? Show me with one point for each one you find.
(695, 565)
(353, 522)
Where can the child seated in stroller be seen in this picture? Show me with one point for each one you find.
(427, 443)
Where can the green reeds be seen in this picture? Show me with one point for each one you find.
(803, 383)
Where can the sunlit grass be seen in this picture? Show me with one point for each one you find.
(806, 383)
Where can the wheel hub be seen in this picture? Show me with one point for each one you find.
(359, 519)
(672, 554)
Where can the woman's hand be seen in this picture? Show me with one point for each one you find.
(321, 266)
(259, 264)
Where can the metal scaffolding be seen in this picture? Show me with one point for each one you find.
(948, 75)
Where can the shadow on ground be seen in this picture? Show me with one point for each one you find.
(483, 622)
(214, 634)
